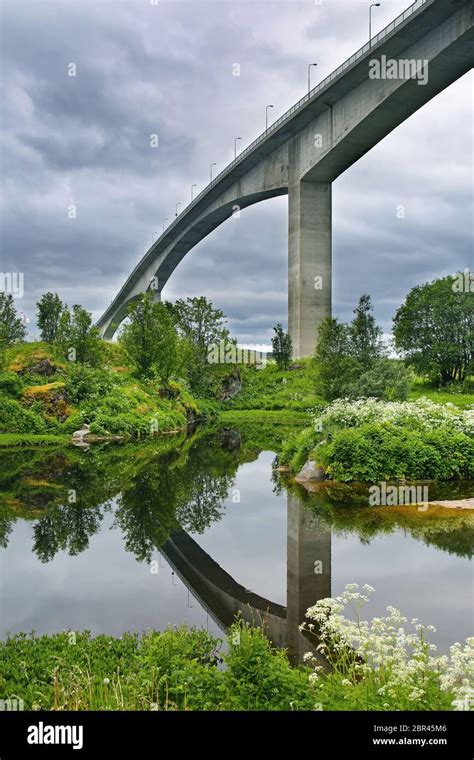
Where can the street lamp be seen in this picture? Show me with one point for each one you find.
(153, 236)
(309, 75)
(373, 5)
(210, 171)
(164, 223)
(178, 204)
(266, 116)
(192, 189)
(235, 146)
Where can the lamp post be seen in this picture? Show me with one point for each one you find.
(309, 75)
(373, 5)
(210, 171)
(266, 116)
(192, 189)
(235, 146)
(178, 204)
(164, 223)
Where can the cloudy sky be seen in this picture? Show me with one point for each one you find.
(166, 67)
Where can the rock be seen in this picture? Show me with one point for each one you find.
(230, 439)
(231, 386)
(456, 504)
(78, 435)
(41, 367)
(310, 471)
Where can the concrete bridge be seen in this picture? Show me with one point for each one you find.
(223, 597)
(310, 146)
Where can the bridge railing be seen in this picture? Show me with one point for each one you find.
(288, 114)
(320, 86)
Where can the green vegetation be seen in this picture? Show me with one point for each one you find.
(369, 440)
(461, 396)
(172, 670)
(374, 667)
(12, 329)
(272, 389)
(351, 360)
(281, 347)
(110, 398)
(383, 664)
(150, 339)
(435, 330)
(50, 307)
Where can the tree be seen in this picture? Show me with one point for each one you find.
(50, 308)
(364, 333)
(434, 330)
(200, 325)
(77, 338)
(351, 361)
(281, 347)
(336, 367)
(199, 322)
(150, 338)
(12, 329)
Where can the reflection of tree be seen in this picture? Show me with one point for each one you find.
(66, 528)
(345, 509)
(162, 485)
(146, 511)
(204, 505)
(6, 525)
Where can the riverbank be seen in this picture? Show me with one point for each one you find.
(180, 669)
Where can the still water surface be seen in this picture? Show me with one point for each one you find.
(139, 546)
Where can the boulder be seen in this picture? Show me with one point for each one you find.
(310, 471)
(78, 435)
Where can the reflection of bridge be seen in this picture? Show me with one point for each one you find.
(306, 149)
(308, 550)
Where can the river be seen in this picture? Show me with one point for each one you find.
(193, 529)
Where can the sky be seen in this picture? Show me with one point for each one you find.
(166, 67)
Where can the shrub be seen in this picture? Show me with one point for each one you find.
(369, 439)
(82, 382)
(10, 384)
(378, 665)
(14, 418)
(376, 451)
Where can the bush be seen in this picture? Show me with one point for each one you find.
(383, 452)
(14, 418)
(10, 384)
(82, 382)
(370, 440)
(387, 379)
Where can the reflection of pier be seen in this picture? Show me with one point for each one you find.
(308, 579)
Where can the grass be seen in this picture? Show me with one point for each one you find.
(176, 669)
(26, 439)
(179, 669)
(457, 397)
(271, 389)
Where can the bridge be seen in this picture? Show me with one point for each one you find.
(308, 579)
(307, 148)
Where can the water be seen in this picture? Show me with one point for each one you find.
(125, 538)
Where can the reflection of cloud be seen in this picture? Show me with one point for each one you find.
(167, 69)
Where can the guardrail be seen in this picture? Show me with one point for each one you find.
(320, 86)
(300, 104)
